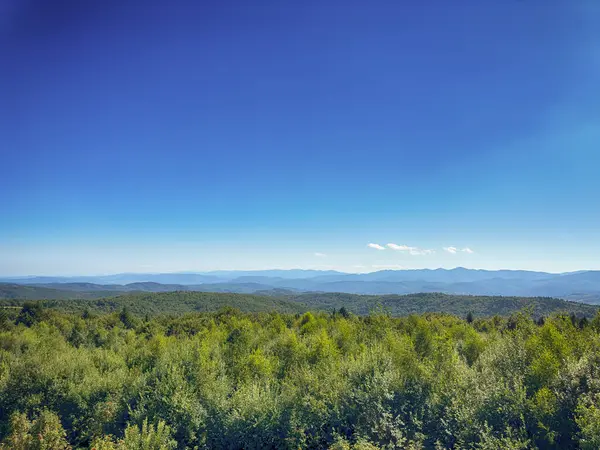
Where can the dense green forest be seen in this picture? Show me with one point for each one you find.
(143, 303)
(401, 305)
(229, 379)
(158, 303)
(26, 292)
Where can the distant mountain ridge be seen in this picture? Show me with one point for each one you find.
(183, 278)
(578, 286)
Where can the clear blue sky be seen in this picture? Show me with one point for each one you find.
(197, 135)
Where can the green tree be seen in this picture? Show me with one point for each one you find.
(127, 318)
(146, 437)
(588, 420)
(31, 312)
(43, 433)
(469, 317)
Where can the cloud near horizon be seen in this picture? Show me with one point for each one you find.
(454, 250)
(411, 250)
(320, 255)
(407, 249)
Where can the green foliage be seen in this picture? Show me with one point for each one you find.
(5, 318)
(127, 318)
(147, 304)
(43, 433)
(588, 420)
(230, 379)
(31, 292)
(146, 437)
(461, 305)
(31, 312)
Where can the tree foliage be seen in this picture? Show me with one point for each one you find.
(229, 379)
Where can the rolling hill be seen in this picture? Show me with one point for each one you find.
(26, 292)
(578, 286)
(179, 302)
(460, 305)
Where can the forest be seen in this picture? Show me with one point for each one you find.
(180, 302)
(292, 380)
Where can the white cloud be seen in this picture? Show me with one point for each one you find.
(399, 247)
(411, 250)
(455, 250)
(376, 246)
(320, 255)
(387, 266)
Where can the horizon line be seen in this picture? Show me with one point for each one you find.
(204, 272)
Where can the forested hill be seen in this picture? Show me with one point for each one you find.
(180, 302)
(171, 303)
(400, 305)
(33, 292)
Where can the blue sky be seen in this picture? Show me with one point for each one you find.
(165, 136)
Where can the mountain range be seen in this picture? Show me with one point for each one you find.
(581, 286)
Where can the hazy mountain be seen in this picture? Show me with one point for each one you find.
(173, 278)
(121, 279)
(459, 274)
(274, 273)
(237, 287)
(578, 286)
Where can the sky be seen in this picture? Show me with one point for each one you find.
(157, 136)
